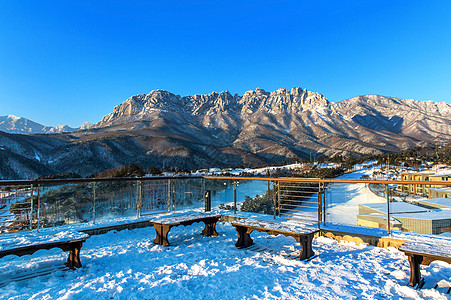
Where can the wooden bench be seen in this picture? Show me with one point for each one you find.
(28, 243)
(303, 233)
(162, 225)
(418, 253)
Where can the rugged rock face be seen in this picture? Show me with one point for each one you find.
(298, 121)
(219, 129)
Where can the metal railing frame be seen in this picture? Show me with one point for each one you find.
(38, 183)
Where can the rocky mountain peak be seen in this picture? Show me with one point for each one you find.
(211, 109)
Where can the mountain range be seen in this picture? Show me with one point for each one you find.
(14, 124)
(221, 129)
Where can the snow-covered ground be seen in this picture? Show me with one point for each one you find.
(127, 265)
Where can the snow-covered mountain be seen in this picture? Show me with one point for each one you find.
(302, 120)
(14, 124)
(221, 129)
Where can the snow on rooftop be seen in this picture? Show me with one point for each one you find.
(396, 207)
(439, 214)
(127, 265)
(383, 217)
(447, 189)
(438, 201)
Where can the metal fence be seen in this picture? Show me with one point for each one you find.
(389, 205)
(36, 204)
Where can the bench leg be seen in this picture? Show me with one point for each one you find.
(73, 260)
(415, 274)
(306, 246)
(210, 228)
(244, 238)
(162, 231)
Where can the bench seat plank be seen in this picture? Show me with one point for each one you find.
(303, 233)
(439, 251)
(281, 227)
(179, 219)
(163, 225)
(20, 244)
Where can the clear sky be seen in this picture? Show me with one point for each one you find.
(67, 62)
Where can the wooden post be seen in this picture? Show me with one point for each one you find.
(415, 274)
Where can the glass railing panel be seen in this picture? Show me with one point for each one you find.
(221, 192)
(154, 196)
(188, 193)
(116, 199)
(16, 206)
(250, 195)
(354, 204)
(62, 204)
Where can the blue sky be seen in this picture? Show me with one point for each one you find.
(66, 62)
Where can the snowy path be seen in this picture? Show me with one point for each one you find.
(127, 265)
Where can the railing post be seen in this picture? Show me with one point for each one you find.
(31, 207)
(278, 197)
(207, 200)
(202, 187)
(39, 206)
(234, 197)
(94, 202)
(274, 198)
(169, 195)
(320, 206)
(324, 205)
(139, 195)
(388, 208)
(173, 195)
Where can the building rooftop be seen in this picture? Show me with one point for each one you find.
(447, 189)
(439, 214)
(396, 207)
(438, 201)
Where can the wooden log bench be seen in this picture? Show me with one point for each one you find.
(303, 233)
(418, 253)
(162, 225)
(28, 243)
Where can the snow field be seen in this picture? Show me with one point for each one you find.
(127, 265)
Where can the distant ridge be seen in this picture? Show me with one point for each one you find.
(14, 124)
(221, 129)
